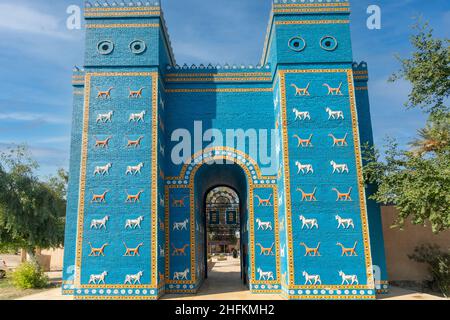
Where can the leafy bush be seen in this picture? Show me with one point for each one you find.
(29, 276)
(438, 265)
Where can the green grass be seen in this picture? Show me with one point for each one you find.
(9, 292)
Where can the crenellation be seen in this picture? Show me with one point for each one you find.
(223, 68)
(123, 4)
(360, 71)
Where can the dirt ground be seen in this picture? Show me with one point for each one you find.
(9, 292)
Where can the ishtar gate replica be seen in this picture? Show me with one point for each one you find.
(137, 219)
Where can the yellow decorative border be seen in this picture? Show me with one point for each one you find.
(294, 22)
(253, 291)
(82, 185)
(277, 240)
(222, 74)
(335, 4)
(115, 297)
(122, 14)
(121, 25)
(307, 10)
(361, 189)
(214, 79)
(146, 8)
(67, 292)
(326, 297)
(83, 174)
(221, 90)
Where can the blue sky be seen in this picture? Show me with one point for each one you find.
(37, 53)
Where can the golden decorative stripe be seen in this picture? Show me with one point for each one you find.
(312, 22)
(115, 298)
(343, 4)
(360, 181)
(115, 286)
(319, 10)
(288, 199)
(121, 74)
(122, 14)
(216, 79)
(360, 72)
(82, 184)
(222, 74)
(361, 88)
(324, 297)
(122, 25)
(155, 181)
(148, 8)
(219, 90)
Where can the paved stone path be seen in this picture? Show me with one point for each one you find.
(224, 283)
(396, 293)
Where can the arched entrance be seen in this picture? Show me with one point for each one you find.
(222, 222)
(221, 199)
(185, 194)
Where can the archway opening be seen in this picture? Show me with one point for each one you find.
(222, 204)
(222, 223)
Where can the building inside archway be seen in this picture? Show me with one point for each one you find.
(223, 221)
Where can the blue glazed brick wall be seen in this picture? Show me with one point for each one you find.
(374, 210)
(323, 180)
(312, 34)
(73, 187)
(287, 95)
(122, 38)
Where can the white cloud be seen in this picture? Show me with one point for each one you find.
(54, 140)
(28, 116)
(20, 18)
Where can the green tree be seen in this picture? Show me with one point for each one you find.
(438, 262)
(31, 211)
(427, 70)
(58, 183)
(417, 180)
(435, 137)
